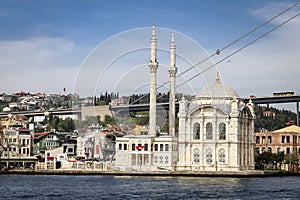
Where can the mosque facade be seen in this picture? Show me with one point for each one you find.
(215, 130)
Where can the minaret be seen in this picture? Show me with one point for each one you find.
(153, 65)
(172, 71)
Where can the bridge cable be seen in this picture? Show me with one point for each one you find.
(235, 52)
(222, 49)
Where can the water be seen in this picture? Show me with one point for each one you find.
(118, 187)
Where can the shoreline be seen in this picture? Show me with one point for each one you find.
(246, 174)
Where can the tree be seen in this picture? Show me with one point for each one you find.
(267, 160)
(108, 120)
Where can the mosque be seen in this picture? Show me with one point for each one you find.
(215, 130)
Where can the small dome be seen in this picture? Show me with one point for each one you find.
(217, 90)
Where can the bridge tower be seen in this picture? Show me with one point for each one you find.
(153, 65)
(172, 70)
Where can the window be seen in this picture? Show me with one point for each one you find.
(144, 133)
(156, 147)
(269, 150)
(133, 147)
(166, 147)
(269, 139)
(282, 139)
(257, 150)
(120, 146)
(278, 150)
(287, 139)
(209, 131)
(196, 155)
(264, 139)
(221, 154)
(155, 159)
(146, 147)
(125, 146)
(294, 139)
(287, 150)
(161, 159)
(161, 147)
(167, 159)
(208, 156)
(257, 140)
(196, 131)
(222, 131)
(139, 147)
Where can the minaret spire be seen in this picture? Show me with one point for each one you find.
(172, 71)
(153, 65)
(153, 44)
(217, 78)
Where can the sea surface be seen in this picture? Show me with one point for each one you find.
(123, 187)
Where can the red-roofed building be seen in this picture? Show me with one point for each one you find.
(44, 141)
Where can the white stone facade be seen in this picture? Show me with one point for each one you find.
(146, 153)
(216, 131)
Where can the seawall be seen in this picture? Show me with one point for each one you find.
(156, 173)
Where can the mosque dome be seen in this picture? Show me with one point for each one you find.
(217, 90)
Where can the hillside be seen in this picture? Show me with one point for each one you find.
(272, 118)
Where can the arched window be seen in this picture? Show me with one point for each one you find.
(166, 147)
(196, 131)
(269, 149)
(278, 150)
(196, 155)
(208, 156)
(133, 147)
(257, 150)
(221, 154)
(161, 147)
(155, 159)
(209, 131)
(146, 147)
(222, 131)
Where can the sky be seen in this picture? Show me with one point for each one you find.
(93, 46)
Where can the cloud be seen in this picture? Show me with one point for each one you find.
(40, 64)
(273, 8)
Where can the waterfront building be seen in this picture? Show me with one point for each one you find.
(215, 130)
(96, 145)
(16, 149)
(286, 140)
(45, 141)
(147, 151)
